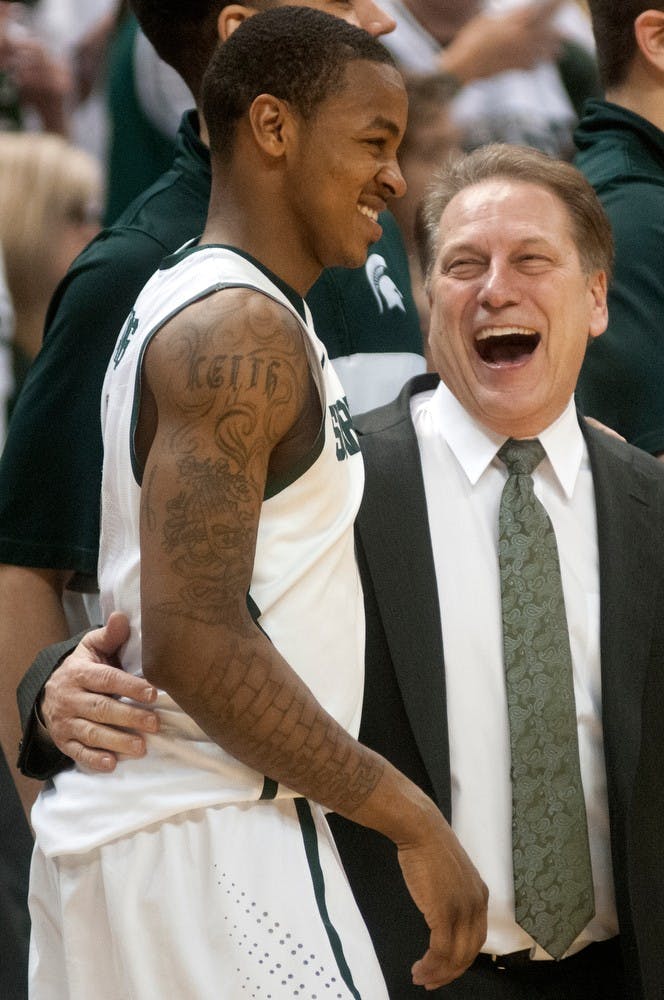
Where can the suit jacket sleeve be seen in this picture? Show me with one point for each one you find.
(38, 759)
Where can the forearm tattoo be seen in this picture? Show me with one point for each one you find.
(278, 721)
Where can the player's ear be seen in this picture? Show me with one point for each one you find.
(230, 18)
(649, 32)
(271, 123)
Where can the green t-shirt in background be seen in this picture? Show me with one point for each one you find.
(622, 379)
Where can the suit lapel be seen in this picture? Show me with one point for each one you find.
(393, 524)
(624, 497)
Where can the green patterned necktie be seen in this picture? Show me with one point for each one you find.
(553, 885)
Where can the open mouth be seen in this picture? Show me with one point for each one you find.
(370, 213)
(506, 345)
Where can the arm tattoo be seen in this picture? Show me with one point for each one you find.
(232, 406)
(229, 409)
(281, 723)
(204, 528)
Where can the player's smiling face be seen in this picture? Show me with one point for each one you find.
(345, 169)
(512, 308)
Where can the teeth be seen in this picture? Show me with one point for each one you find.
(369, 212)
(505, 331)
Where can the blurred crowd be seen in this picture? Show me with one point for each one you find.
(89, 115)
(80, 86)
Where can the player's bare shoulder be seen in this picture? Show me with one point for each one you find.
(233, 344)
(237, 358)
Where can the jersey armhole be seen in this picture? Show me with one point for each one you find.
(276, 484)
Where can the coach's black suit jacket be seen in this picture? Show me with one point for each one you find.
(404, 716)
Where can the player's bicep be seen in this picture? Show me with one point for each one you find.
(226, 389)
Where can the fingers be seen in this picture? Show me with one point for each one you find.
(453, 899)
(491, 43)
(455, 944)
(35, 71)
(90, 693)
(97, 746)
(90, 757)
(104, 643)
(453, 948)
(94, 729)
(534, 36)
(97, 708)
(81, 708)
(78, 673)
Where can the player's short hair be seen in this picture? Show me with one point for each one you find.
(184, 33)
(591, 230)
(613, 27)
(297, 54)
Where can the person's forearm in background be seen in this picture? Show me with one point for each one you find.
(31, 617)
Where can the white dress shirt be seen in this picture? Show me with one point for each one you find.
(463, 481)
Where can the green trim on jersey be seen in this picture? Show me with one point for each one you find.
(270, 789)
(193, 246)
(310, 839)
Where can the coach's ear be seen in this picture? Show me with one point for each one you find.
(231, 17)
(649, 32)
(599, 312)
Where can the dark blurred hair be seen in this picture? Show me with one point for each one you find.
(184, 33)
(613, 27)
(591, 230)
(428, 97)
(297, 54)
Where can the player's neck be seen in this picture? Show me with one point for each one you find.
(242, 225)
(251, 209)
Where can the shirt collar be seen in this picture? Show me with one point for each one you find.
(475, 446)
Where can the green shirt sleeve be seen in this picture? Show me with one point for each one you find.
(622, 379)
(50, 471)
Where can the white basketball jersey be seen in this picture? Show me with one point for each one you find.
(305, 590)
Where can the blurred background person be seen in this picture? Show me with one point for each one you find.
(52, 55)
(50, 197)
(145, 101)
(33, 81)
(84, 69)
(37, 85)
(620, 144)
(431, 137)
(525, 68)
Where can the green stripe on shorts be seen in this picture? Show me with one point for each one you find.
(310, 839)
